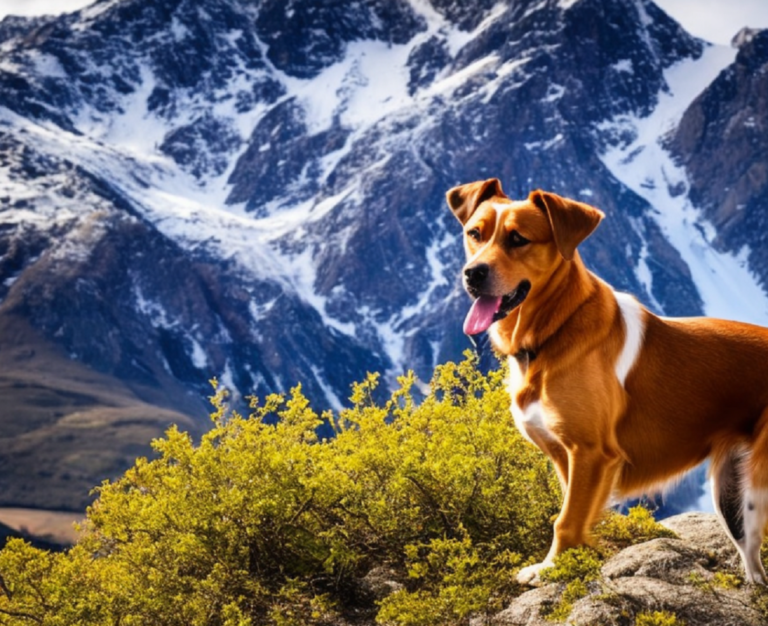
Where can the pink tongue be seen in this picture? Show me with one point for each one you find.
(480, 316)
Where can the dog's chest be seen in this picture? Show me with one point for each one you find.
(531, 418)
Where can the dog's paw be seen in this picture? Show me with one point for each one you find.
(530, 575)
(757, 577)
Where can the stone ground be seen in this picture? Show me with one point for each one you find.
(687, 577)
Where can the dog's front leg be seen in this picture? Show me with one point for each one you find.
(557, 453)
(591, 476)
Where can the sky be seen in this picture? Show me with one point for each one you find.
(40, 7)
(714, 20)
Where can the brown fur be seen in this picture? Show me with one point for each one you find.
(698, 387)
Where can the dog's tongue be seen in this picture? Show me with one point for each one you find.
(480, 316)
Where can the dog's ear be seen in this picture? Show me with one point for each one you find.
(465, 199)
(572, 222)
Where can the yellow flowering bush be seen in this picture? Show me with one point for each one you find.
(262, 523)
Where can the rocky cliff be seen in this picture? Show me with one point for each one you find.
(722, 141)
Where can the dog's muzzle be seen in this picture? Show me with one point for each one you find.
(513, 300)
(487, 309)
(475, 277)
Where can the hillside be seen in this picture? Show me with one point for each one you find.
(67, 426)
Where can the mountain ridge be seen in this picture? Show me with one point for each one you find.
(185, 195)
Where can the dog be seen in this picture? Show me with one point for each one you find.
(621, 400)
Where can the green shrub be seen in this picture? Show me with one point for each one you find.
(658, 618)
(261, 523)
(581, 563)
(575, 567)
(559, 611)
(719, 580)
(725, 580)
(759, 600)
(616, 531)
(456, 578)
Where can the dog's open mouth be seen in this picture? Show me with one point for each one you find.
(486, 310)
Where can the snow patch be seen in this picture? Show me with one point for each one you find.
(554, 93)
(120, 131)
(151, 309)
(538, 146)
(91, 12)
(198, 355)
(726, 285)
(452, 82)
(336, 403)
(437, 271)
(227, 380)
(303, 272)
(368, 84)
(457, 39)
(178, 30)
(643, 270)
(259, 311)
(47, 65)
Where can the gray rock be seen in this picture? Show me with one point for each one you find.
(529, 608)
(667, 559)
(705, 532)
(676, 576)
(380, 582)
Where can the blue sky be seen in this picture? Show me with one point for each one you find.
(717, 20)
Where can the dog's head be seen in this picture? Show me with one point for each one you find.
(513, 246)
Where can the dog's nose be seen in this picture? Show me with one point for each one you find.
(475, 276)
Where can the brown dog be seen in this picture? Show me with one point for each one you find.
(621, 400)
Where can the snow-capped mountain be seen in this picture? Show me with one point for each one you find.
(253, 189)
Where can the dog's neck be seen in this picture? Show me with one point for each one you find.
(546, 309)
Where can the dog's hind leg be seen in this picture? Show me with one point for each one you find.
(741, 507)
(756, 502)
(755, 518)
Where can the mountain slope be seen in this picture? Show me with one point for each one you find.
(721, 142)
(254, 190)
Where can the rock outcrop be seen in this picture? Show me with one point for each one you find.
(696, 578)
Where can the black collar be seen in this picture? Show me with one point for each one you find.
(524, 354)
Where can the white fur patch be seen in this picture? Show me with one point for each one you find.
(530, 575)
(634, 325)
(501, 208)
(755, 513)
(531, 419)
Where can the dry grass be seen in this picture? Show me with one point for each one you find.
(54, 526)
(64, 427)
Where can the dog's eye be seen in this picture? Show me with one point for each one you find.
(516, 240)
(474, 234)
